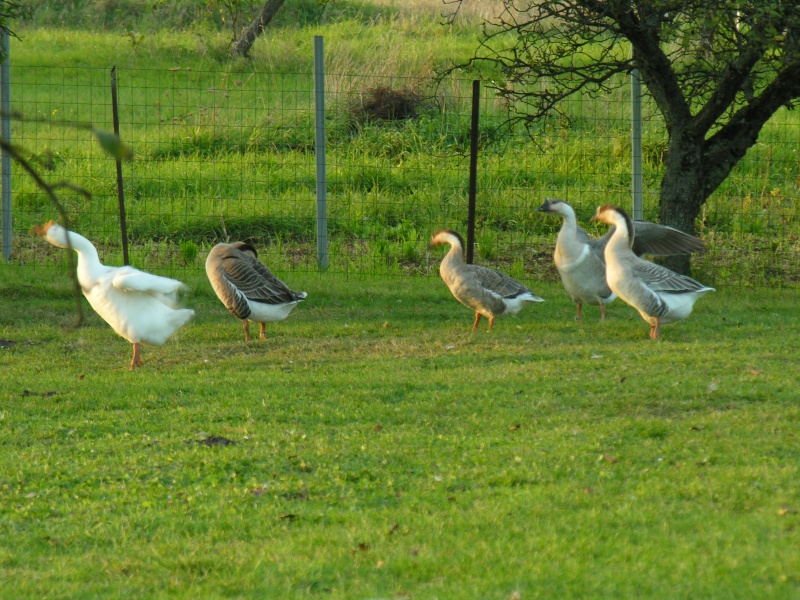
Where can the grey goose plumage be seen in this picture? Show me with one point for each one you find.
(488, 292)
(580, 258)
(247, 288)
(661, 296)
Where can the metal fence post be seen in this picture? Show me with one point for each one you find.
(473, 169)
(5, 131)
(636, 144)
(319, 145)
(123, 222)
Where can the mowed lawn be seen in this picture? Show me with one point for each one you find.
(372, 447)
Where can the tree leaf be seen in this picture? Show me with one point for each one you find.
(111, 143)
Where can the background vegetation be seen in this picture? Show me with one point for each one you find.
(224, 148)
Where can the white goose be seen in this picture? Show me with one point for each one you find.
(140, 307)
(580, 262)
(488, 292)
(247, 288)
(660, 295)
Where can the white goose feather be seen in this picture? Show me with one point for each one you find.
(580, 259)
(139, 306)
(488, 292)
(247, 288)
(660, 295)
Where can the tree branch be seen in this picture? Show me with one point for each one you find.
(50, 191)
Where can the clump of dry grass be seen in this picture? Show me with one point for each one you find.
(383, 103)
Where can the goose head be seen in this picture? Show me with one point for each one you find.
(246, 248)
(614, 215)
(447, 236)
(556, 206)
(234, 251)
(53, 233)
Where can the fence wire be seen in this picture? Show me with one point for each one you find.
(224, 155)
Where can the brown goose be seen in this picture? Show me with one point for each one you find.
(488, 292)
(247, 288)
(660, 295)
(139, 306)
(580, 262)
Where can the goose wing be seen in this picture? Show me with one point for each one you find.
(660, 279)
(654, 239)
(255, 281)
(128, 279)
(499, 283)
(133, 280)
(661, 240)
(596, 245)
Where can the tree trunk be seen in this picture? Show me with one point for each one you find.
(683, 191)
(696, 166)
(264, 16)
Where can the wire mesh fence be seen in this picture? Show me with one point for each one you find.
(229, 155)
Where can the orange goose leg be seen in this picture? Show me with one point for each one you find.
(477, 320)
(655, 329)
(137, 359)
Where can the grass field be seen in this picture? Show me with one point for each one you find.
(372, 447)
(378, 449)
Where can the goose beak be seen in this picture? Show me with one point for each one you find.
(548, 205)
(42, 229)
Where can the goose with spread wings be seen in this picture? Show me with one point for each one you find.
(140, 307)
(580, 258)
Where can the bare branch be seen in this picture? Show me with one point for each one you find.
(50, 191)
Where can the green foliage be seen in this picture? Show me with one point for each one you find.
(225, 150)
(486, 241)
(301, 13)
(188, 251)
(112, 145)
(117, 15)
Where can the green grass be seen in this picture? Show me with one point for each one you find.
(382, 450)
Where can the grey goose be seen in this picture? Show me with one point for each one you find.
(580, 261)
(661, 296)
(247, 288)
(488, 292)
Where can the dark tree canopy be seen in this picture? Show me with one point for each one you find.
(716, 69)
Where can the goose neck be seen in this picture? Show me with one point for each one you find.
(623, 234)
(455, 256)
